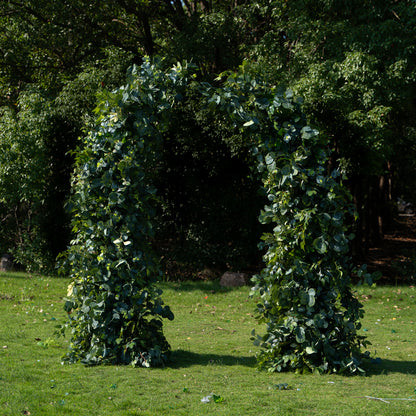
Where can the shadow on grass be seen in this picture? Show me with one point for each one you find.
(22, 275)
(390, 366)
(182, 358)
(212, 286)
(16, 275)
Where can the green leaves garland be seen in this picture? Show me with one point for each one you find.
(305, 291)
(305, 294)
(115, 311)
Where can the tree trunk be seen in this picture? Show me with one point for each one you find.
(373, 200)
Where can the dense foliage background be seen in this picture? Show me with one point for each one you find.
(352, 62)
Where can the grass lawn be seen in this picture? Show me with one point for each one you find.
(212, 353)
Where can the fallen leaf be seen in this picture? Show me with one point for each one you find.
(218, 399)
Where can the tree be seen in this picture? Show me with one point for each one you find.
(38, 136)
(69, 51)
(354, 64)
(26, 174)
(52, 85)
(352, 61)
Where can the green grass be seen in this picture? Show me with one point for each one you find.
(212, 353)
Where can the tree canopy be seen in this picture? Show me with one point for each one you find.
(352, 62)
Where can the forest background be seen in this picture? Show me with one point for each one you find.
(353, 62)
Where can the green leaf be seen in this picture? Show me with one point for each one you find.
(217, 399)
(320, 245)
(300, 334)
(270, 162)
(311, 295)
(113, 198)
(310, 350)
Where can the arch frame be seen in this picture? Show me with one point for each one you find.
(305, 293)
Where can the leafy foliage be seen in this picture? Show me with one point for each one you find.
(38, 135)
(352, 61)
(305, 289)
(354, 64)
(30, 189)
(117, 312)
(306, 300)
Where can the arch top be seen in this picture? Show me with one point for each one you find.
(248, 102)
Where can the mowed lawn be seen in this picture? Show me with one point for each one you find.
(212, 356)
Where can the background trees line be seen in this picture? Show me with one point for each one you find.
(352, 62)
